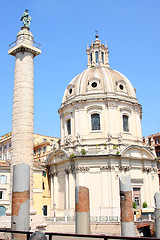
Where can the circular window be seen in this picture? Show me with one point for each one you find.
(121, 87)
(70, 90)
(94, 84)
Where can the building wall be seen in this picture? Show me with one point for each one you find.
(110, 122)
(156, 138)
(46, 191)
(41, 196)
(41, 191)
(101, 175)
(5, 147)
(42, 147)
(156, 146)
(4, 187)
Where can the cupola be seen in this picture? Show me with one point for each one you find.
(97, 54)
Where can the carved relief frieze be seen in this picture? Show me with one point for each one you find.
(136, 110)
(112, 105)
(155, 170)
(82, 169)
(80, 106)
(146, 169)
(60, 157)
(107, 168)
(124, 168)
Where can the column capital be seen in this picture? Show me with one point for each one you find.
(24, 43)
(23, 47)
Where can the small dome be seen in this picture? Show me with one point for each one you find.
(99, 80)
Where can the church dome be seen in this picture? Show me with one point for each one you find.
(98, 79)
(99, 107)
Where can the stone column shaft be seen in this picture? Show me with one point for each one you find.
(55, 191)
(22, 117)
(51, 191)
(21, 199)
(127, 213)
(66, 190)
(82, 209)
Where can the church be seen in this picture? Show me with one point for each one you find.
(101, 139)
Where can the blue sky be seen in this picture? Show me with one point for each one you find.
(63, 28)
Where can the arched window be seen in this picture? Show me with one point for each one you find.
(97, 57)
(2, 211)
(125, 123)
(69, 126)
(102, 55)
(95, 121)
(91, 57)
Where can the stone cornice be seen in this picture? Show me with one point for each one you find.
(100, 98)
(24, 48)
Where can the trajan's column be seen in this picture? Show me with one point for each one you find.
(24, 51)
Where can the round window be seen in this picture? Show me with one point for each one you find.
(70, 90)
(121, 87)
(94, 84)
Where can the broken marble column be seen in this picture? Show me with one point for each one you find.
(126, 205)
(20, 219)
(157, 213)
(82, 210)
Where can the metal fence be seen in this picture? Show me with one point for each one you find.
(15, 43)
(9, 234)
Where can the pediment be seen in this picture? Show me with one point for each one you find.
(137, 152)
(37, 167)
(57, 156)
